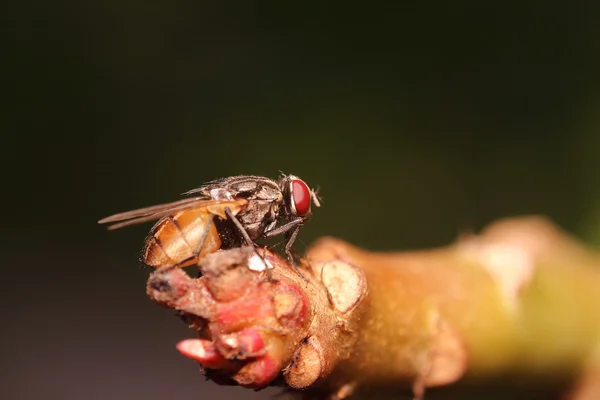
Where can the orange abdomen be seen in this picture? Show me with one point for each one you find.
(181, 239)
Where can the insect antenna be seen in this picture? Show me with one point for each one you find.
(314, 194)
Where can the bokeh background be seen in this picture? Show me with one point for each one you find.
(418, 121)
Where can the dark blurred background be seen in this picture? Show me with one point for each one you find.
(418, 122)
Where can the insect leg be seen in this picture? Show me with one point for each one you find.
(203, 237)
(239, 226)
(247, 238)
(289, 250)
(284, 228)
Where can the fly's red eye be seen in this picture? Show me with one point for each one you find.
(300, 197)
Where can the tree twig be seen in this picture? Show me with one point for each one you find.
(522, 298)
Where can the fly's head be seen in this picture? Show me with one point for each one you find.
(298, 197)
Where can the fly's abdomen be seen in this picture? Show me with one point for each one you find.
(181, 239)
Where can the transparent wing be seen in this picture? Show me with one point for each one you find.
(161, 210)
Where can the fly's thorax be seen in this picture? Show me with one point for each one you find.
(257, 215)
(245, 186)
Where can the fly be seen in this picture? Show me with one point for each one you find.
(258, 207)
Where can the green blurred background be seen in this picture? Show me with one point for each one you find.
(417, 121)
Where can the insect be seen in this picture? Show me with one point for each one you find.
(247, 208)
